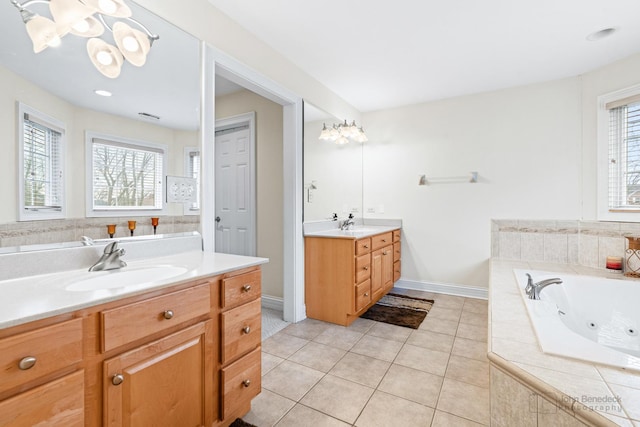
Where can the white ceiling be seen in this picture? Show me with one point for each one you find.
(376, 54)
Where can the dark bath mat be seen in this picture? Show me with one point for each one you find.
(400, 310)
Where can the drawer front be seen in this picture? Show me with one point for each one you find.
(53, 347)
(363, 295)
(396, 235)
(381, 240)
(241, 382)
(363, 246)
(239, 289)
(241, 330)
(396, 271)
(363, 268)
(56, 403)
(128, 323)
(396, 251)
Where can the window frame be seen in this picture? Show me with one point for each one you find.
(92, 212)
(187, 210)
(58, 126)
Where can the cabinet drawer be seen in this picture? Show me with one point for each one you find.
(363, 295)
(396, 251)
(240, 382)
(396, 271)
(381, 240)
(128, 323)
(53, 347)
(396, 235)
(56, 403)
(240, 289)
(363, 246)
(363, 268)
(241, 330)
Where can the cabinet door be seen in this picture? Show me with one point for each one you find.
(168, 382)
(387, 267)
(376, 273)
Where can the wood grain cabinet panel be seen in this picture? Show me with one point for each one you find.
(363, 295)
(363, 246)
(381, 240)
(241, 288)
(241, 382)
(241, 330)
(363, 268)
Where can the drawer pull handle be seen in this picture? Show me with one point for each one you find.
(366, 267)
(117, 379)
(384, 240)
(246, 382)
(27, 363)
(365, 246)
(168, 314)
(385, 252)
(246, 329)
(366, 294)
(246, 288)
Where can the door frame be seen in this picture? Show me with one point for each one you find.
(215, 62)
(231, 122)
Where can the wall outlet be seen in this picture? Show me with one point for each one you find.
(355, 209)
(371, 210)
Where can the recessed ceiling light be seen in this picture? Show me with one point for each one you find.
(601, 34)
(102, 92)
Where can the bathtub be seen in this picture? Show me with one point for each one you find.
(587, 318)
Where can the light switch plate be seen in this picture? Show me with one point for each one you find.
(181, 189)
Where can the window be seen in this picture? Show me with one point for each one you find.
(41, 155)
(192, 170)
(619, 156)
(126, 176)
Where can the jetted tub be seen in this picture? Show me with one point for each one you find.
(585, 317)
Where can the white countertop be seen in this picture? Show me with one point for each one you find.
(357, 232)
(36, 297)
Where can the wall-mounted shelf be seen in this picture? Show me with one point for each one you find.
(471, 178)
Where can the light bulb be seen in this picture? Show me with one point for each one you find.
(342, 140)
(81, 26)
(130, 44)
(104, 58)
(55, 41)
(107, 6)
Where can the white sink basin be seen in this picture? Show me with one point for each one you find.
(125, 277)
(361, 230)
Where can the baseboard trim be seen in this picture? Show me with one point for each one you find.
(444, 288)
(274, 303)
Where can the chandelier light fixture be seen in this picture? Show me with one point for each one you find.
(342, 133)
(88, 18)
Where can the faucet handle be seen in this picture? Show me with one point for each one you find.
(111, 247)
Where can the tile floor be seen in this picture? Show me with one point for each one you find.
(375, 374)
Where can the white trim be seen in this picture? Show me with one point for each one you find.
(98, 213)
(240, 120)
(186, 210)
(444, 288)
(274, 303)
(207, 147)
(603, 157)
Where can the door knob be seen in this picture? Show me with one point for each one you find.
(117, 379)
(218, 219)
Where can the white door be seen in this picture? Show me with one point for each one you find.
(235, 232)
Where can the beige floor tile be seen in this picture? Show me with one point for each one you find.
(318, 356)
(283, 345)
(443, 419)
(269, 361)
(378, 348)
(267, 408)
(474, 305)
(422, 359)
(384, 410)
(361, 369)
(431, 340)
(361, 325)
(450, 314)
(464, 400)
(415, 293)
(339, 337)
(441, 326)
(411, 384)
(307, 329)
(390, 332)
(468, 370)
(470, 348)
(479, 319)
(449, 301)
(339, 398)
(472, 332)
(291, 380)
(301, 415)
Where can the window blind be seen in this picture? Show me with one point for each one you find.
(42, 165)
(624, 156)
(126, 176)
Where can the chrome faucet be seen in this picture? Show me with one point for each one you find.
(110, 259)
(533, 289)
(344, 225)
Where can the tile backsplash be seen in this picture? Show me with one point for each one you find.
(69, 230)
(586, 243)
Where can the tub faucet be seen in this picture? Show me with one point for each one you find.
(110, 259)
(533, 292)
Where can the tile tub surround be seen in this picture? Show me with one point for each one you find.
(529, 387)
(72, 230)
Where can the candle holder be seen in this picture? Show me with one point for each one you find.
(132, 226)
(632, 260)
(154, 222)
(111, 230)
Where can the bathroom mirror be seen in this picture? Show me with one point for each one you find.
(157, 102)
(332, 172)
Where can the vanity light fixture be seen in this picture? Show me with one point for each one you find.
(88, 18)
(341, 133)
